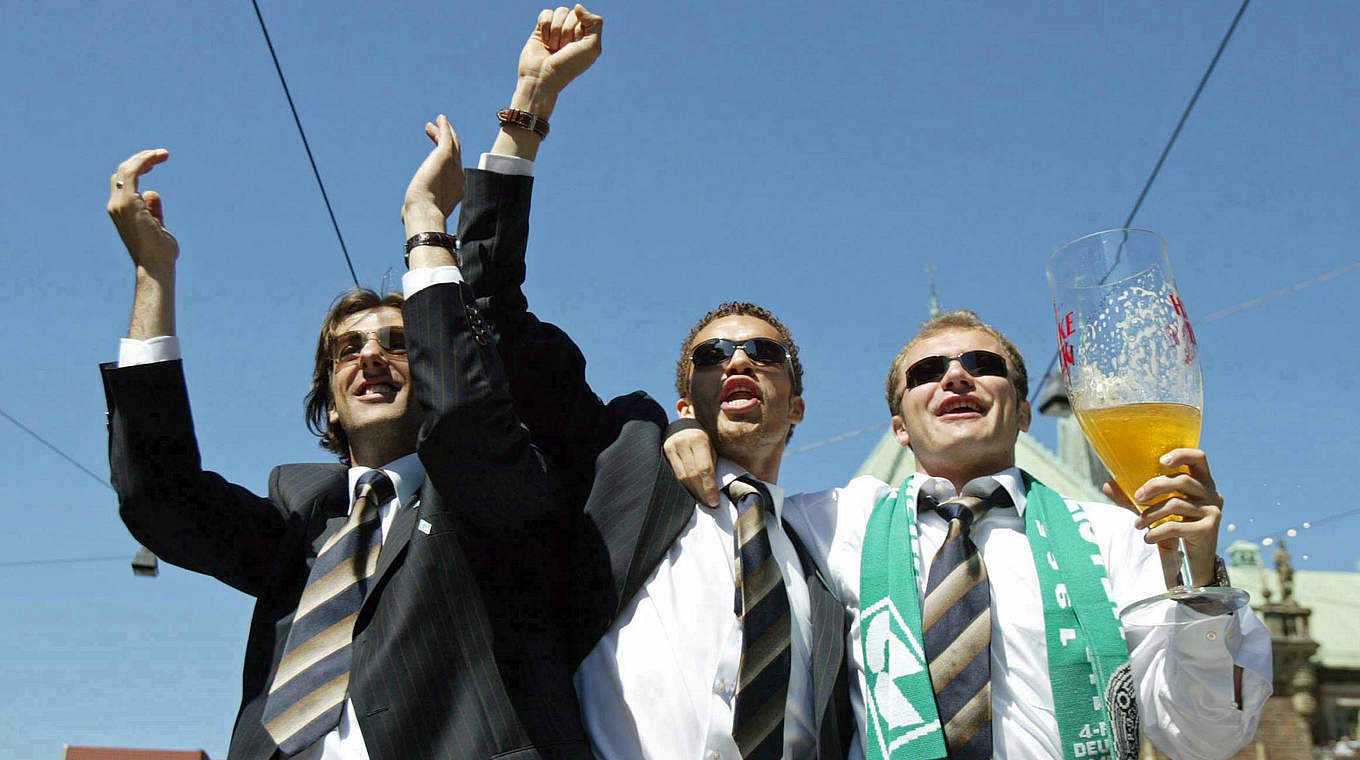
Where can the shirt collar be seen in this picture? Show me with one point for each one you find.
(407, 474)
(1009, 478)
(729, 471)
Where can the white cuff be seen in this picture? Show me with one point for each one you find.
(162, 348)
(418, 279)
(1185, 682)
(503, 164)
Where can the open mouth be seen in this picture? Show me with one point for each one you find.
(960, 407)
(739, 394)
(376, 391)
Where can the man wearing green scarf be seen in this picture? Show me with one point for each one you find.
(1058, 685)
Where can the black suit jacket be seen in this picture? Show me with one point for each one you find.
(460, 648)
(609, 456)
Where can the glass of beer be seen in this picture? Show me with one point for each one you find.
(1131, 366)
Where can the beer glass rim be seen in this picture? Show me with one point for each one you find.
(1053, 279)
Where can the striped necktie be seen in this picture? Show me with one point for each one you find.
(312, 679)
(956, 617)
(763, 604)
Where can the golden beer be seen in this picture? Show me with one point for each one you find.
(1131, 438)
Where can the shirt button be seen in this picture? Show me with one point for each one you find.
(715, 755)
(1211, 635)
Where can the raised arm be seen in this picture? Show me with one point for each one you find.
(140, 220)
(494, 227)
(563, 44)
(474, 449)
(187, 515)
(545, 368)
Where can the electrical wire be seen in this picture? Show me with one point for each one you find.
(306, 146)
(1166, 150)
(93, 476)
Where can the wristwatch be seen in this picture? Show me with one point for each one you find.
(437, 239)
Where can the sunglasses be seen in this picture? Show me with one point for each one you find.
(975, 363)
(715, 351)
(346, 347)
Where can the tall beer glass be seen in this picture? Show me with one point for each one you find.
(1131, 366)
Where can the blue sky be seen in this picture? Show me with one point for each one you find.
(811, 157)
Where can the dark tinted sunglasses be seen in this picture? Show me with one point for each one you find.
(346, 347)
(975, 363)
(715, 351)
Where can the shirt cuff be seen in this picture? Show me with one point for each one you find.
(420, 278)
(162, 348)
(503, 164)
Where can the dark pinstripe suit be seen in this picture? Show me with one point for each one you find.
(459, 649)
(609, 455)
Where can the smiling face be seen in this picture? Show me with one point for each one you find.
(960, 426)
(747, 408)
(370, 395)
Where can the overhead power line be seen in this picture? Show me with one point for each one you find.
(67, 561)
(1296, 287)
(1156, 169)
(1186, 114)
(306, 146)
(835, 439)
(93, 476)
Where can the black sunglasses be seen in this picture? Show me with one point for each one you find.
(975, 363)
(715, 351)
(346, 347)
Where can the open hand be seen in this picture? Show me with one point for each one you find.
(437, 186)
(140, 217)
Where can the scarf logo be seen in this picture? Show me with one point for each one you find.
(893, 653)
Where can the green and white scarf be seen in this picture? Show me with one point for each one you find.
(1085, 644)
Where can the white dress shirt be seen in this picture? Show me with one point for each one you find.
(1184, 675)
(661, 683)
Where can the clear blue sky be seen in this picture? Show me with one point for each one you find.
(811, 157)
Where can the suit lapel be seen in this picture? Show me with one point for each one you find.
(331, 508)
(828, 631)
(828, 635)
(399, 535)
(667, 513)
(636, 508)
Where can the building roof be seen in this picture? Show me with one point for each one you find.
(1334, 598)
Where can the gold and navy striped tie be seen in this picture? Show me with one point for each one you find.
(956, 618)
(312, 679)
(763, 604)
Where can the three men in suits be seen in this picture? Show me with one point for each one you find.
(387, 622)
(668, 669)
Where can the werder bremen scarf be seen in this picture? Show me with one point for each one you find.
(1085, 645)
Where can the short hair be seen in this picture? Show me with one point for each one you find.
(319, 400)
(960, 319)
(737, 309)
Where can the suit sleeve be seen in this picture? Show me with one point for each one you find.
(475, 451)
(544, 367)
(188, 516)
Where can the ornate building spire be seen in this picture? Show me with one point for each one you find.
(934, 302)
